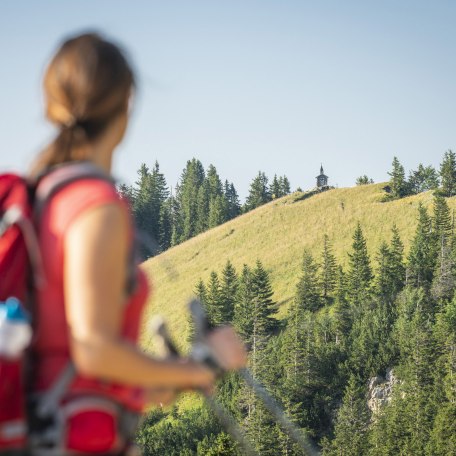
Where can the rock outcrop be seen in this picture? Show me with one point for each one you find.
(380, 391)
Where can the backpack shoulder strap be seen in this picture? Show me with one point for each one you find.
(59, 177)
(48, 185)
(62, 175)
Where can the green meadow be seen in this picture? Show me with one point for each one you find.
(277, 234)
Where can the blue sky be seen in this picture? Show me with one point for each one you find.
(278, 86)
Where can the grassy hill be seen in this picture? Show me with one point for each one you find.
(277, 234)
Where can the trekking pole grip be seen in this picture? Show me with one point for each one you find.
(165, 345)
(201, 351)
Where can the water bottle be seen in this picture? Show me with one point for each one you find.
(15, 336)
(15, 329)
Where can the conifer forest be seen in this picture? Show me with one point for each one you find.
(364, 361)
(199, 201)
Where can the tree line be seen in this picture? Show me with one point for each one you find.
(200, 201)
(344, 326)
(424, 178)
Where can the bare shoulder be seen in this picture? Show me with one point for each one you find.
(95, 252)
(96, 244)
(101, 224)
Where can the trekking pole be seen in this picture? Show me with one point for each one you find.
(167, 349)
(202, 352)
(296, 433)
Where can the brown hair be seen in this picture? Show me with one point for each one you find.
(86, 85)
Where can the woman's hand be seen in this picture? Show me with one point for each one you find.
(227, 348)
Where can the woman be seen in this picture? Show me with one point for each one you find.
(89, 308)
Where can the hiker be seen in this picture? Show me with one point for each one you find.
(88, 310)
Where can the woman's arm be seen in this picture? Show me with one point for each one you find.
(95, 252)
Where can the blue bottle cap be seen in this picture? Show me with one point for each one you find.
(15, 311)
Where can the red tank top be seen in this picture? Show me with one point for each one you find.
(51, 343)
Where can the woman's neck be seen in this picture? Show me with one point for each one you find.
(102, 157)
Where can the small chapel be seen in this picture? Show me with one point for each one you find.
(322, 179)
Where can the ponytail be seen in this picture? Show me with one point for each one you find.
(67, 146)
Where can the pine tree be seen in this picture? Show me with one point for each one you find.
(442, 440)
(371, 349)
(447, 342)
(443, 225)
(259, 193)
(417, 347)
(222, 445)
(126, 193)
(342, 312)
(200, 293)
(261, 428)
(351, 424)
(443, 435)
(191, 180)
(141, 195)
(255, 310)
(448, 174)
(213, 300)
(307, 289)
(419, 341)
(218, 211)
(328, 276)
(144, 212)
(383, 283)
(202, 208)
(232, 198)
(254, 320)
(299, 360)
(390, 274)
(266, 307)
(166, 224)
(176, 219)
(275, 190)
(243, 309)
(444, 281)
(386, 287)
(398, 182)
(229, 288)
(161, 191)
(423, 179)
(360, 273)
(214, 182)
(159, 197)
(364, 180)
(285, 186)
(421, 258)
(396, 262)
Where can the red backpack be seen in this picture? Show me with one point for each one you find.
(21, 271)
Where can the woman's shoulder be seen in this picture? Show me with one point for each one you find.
(86, 192)
(80, 196)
